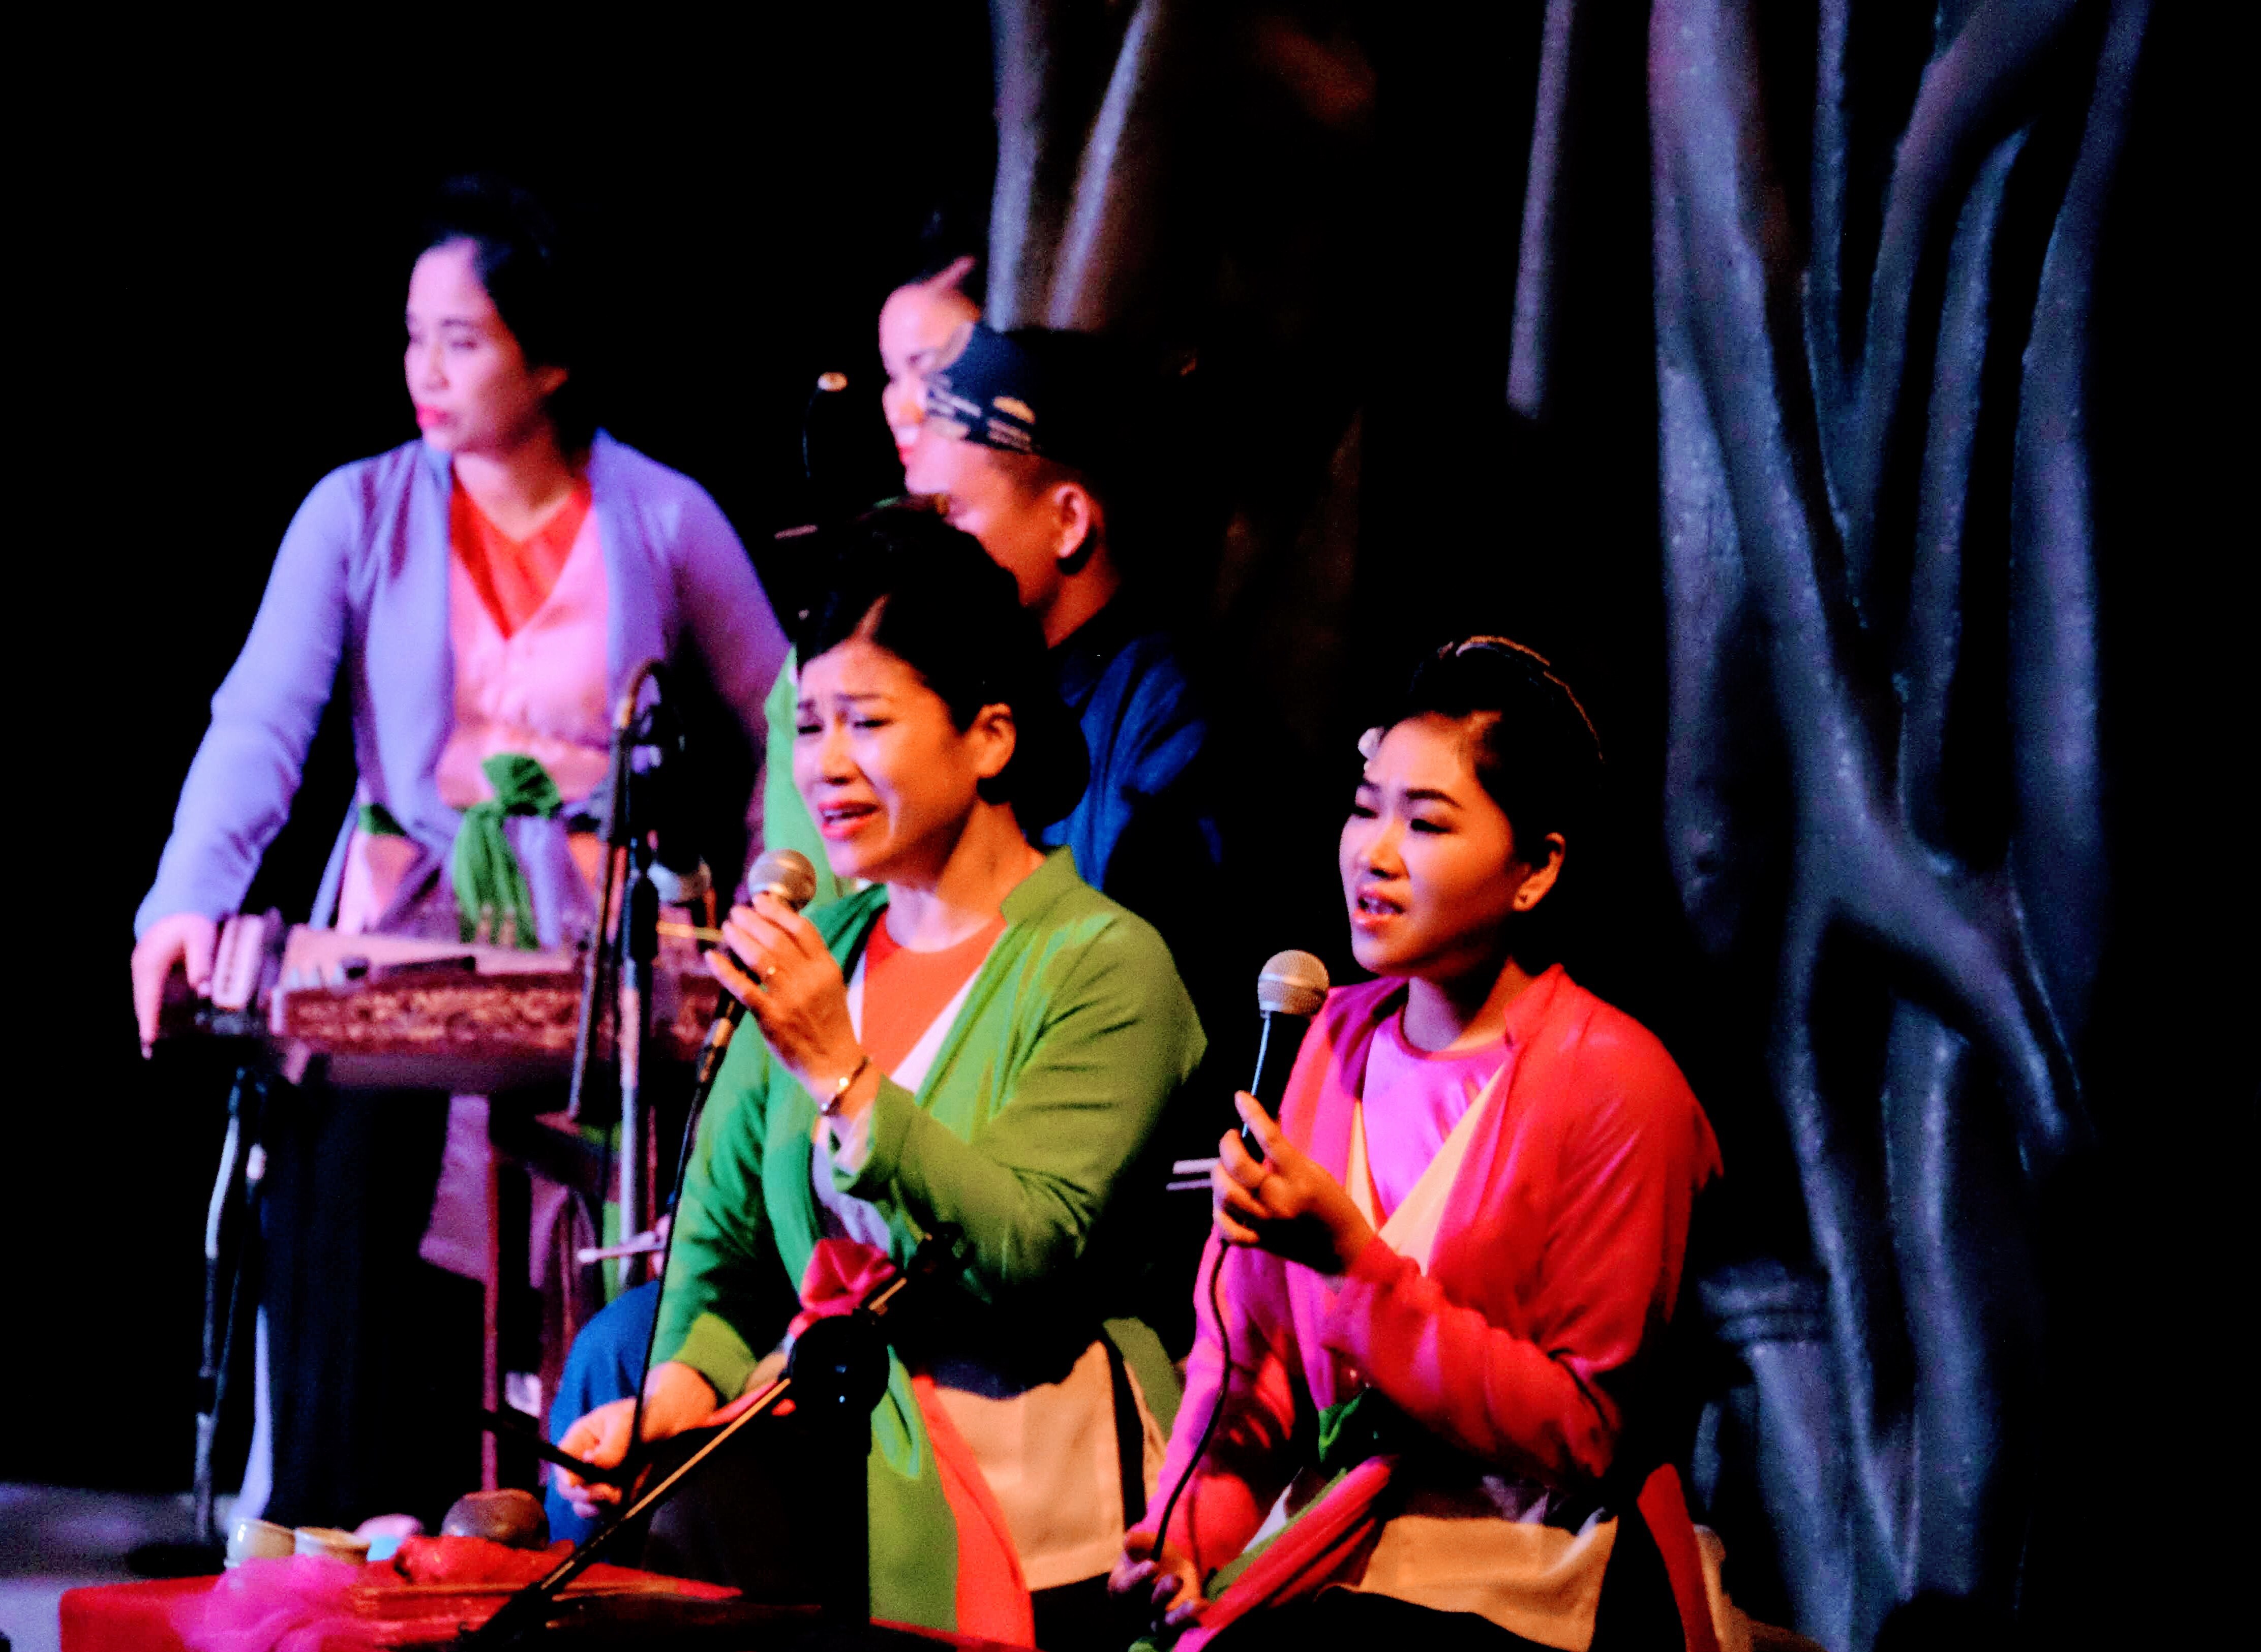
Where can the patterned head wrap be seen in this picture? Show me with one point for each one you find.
(1031, 391)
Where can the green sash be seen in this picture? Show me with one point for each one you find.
(493, 901)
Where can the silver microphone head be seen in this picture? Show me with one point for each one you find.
(786, 873)
(1292, 983)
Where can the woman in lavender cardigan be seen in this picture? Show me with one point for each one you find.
(480, 597)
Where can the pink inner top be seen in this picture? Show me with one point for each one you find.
(540, 691)
(1412, 1099)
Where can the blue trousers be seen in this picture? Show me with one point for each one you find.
(605, 1364)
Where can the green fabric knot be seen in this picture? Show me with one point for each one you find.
(1365, 1426)
(493, 901)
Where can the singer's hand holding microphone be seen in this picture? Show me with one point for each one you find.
(1284, 1201)
(1267, 1191)
(778, 970)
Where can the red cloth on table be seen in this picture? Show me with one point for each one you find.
(304, 1604)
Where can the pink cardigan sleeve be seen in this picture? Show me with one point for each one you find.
(1534, 1397)
(1248, 1462)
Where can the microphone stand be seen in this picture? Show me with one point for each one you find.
(705, 1070)
(837, 1374)
(638, 949)
(244, 1108)
(617, 833)
(709, 1067)
(621, 948)
(236, 1189)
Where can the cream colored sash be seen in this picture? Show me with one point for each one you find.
(1466, 1552)
(1411, 1229)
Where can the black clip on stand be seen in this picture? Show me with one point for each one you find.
(837, 1374)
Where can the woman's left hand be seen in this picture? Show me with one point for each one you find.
(1284, 1201)
(792, 988)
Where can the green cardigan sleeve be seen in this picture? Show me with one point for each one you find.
(786, 824)
(1075, 1072)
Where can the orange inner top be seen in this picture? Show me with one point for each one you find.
(904, 990)
(514, 577)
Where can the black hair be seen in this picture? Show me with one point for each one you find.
(930, 596)
(932, 263)
(521, 262)
(1531, 744)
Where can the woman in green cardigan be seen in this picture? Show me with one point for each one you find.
(977, 1039)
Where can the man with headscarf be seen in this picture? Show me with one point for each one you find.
(1022, 444)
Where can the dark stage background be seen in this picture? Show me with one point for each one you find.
(210, 266)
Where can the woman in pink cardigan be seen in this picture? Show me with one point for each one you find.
(1429, 1304)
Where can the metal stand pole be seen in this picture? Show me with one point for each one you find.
(639, 949)
(218, 1339)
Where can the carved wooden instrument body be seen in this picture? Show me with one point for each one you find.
(392, 1011)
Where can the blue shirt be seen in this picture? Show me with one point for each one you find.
(1146, 827)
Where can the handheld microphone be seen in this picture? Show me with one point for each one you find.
(789, 875)
(786, 873)
(1289, 991)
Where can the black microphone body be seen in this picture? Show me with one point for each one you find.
(1289, 993)
(1276, 1056)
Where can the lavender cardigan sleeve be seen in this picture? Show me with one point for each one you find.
(247, 769)
(357, 605)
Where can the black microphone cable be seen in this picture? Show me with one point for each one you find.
(1292, 985)
(1216, 1410)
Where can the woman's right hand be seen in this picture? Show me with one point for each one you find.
(189, 938)
(1159, 1578)
(1285, 1202)
(676, 1398)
